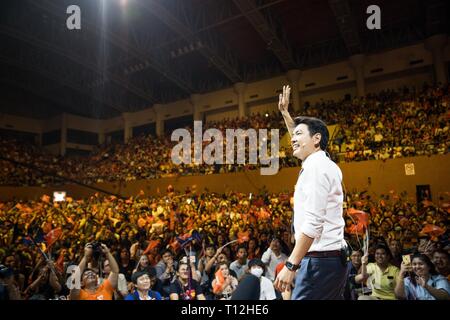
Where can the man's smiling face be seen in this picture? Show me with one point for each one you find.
(302, 142)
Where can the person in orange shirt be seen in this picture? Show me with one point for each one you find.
(90, 289)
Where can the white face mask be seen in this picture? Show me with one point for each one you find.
(257, 272)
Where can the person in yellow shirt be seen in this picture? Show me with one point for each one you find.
(381, 275)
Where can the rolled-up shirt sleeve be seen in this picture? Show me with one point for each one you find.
(316, 197)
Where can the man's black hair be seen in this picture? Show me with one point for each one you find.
(135, 276)
(165, 250)
(442, 251)
(315, 126)
(256, 262)
(242, 246)
(385, 247)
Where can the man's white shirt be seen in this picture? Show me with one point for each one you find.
(318, 200)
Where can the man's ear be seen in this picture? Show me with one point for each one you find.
(317, 137)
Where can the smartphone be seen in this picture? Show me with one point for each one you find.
(406, 259)
(192, 258)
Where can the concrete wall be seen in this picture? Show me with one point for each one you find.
(218, 115)
(11, 122)
(83, 124)
(113, 124)
(385, 176)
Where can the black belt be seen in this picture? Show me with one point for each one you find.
(324, 254)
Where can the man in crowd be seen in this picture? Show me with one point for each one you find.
(442, 262)
(166, 270)
(272, 257)
(90, 289)
(239, 266)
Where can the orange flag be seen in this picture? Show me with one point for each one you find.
(174, 245)
(433, 231)
(53, 236)
(427, 203)
(151, 246)
(243, 236)
(356, 229)
(220, 281)
(172, 220)
(362, 221)
(45, 198)
(59, 264)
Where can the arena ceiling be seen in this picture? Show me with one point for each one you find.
(131, 54)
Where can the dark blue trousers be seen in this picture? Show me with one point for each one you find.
(320, 279)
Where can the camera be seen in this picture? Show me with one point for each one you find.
(96, 249)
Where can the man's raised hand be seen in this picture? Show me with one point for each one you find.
(283, 101)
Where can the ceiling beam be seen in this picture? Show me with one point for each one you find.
(31, 65)
(67, 106)
(222, 59)
(87, 63)
(143, 57)
(50, 47)
(267, 29)
(347, 25)
(436, 17)
(221, 16)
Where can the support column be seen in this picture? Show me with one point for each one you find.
(38, 139)
(101, 137)
(357, 61)
(436, 44)
(195, 101)
(159, 119)
(63, 141)
(294, 76)
(127, 128)
(239, 88)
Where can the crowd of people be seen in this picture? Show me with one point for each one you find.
(193, 245)
(390, 124)
(200, 245)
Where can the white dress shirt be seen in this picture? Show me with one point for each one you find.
(267, 291)
(318, 199)
(271, 260)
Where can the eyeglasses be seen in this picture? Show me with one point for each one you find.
(89, 273)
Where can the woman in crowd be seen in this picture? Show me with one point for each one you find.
(420, 281)
(224, 283)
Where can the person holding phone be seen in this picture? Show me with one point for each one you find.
(419, 280)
